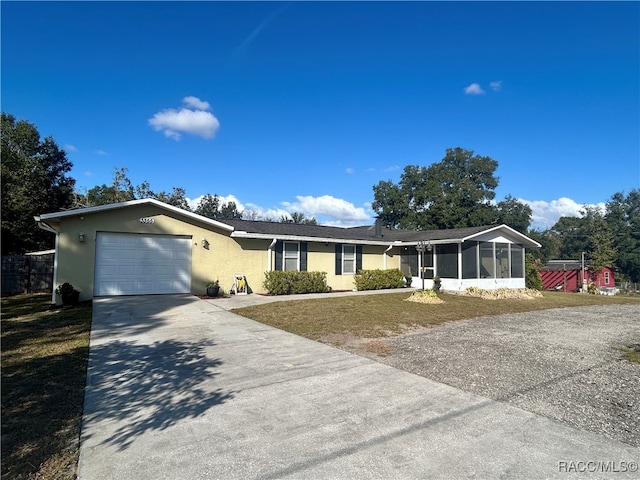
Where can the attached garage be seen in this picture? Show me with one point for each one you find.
(140, 264)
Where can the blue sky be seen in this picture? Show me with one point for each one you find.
(304, 106)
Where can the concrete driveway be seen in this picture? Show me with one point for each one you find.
(179, 388)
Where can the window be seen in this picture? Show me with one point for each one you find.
(487, 267)
(470, 260)
(447, 260)
(517, 261)
(291, 256)
(348, 259)
(606, 278)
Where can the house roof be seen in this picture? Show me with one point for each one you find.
(303, 232)
(364, 234)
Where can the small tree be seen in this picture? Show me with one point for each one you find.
(532, 274)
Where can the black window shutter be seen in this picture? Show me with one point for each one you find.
(338, 259)
(303, 256)
(279, 248)
(358, 258)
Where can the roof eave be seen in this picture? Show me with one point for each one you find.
(303, 238)
(529, 242)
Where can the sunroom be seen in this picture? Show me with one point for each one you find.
(489, 259)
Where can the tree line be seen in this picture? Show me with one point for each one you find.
(456, 192)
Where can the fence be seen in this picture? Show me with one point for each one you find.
(30, 273)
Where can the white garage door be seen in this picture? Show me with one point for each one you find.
(129, 264)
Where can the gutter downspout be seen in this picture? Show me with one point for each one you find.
(269, 255)
(384, 258)
(47, 228)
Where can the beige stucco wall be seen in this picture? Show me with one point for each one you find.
(225, 256)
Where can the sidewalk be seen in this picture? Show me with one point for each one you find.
(240, 301)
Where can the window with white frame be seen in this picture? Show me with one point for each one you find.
(606, 278)
(348, 259)
(291, 257)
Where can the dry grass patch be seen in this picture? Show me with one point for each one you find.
(44, 363)
(374, 316)
(424, 296)
(503, 293)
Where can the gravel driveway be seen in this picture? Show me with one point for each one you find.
(563, 364)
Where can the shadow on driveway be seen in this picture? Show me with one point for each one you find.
(139, 378)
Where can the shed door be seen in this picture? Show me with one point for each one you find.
(130, 264)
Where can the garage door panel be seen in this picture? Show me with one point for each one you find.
(129, 264)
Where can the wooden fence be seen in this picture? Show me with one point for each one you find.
(30, 273)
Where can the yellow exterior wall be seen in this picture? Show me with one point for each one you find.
(225, 256)
(322, 258)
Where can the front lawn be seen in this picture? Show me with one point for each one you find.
(370, 316)
(44, 364)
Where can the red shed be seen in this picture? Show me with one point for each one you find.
(566, 276)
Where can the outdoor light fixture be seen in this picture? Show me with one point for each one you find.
(81, 236)
(205, 243)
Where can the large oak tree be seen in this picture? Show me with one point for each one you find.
(34, 181)
(455, 192)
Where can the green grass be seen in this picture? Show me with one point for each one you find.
(44, 363)
(372, 316)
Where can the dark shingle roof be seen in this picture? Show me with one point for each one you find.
(366, 233)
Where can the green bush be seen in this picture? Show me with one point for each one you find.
(437, 284)
(532, 277)
(285, 283)
(378, 279)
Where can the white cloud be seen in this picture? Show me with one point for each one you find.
(194, 120)
(338, 212)
(196, 103)
(327, 210)
(474, 89)
(496, 86)
(69, 148)
(546, 214)
(350, 170)
(101, 153)
(193, 202)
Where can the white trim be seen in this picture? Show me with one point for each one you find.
(300, 238)
(513, 232)
(270, 254)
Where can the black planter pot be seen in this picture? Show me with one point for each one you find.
(70, 298)
(213, 291)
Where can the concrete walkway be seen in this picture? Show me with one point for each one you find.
(179, 388)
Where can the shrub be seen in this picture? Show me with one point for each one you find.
(378, 279)
(285, 283)
(532, 277)
(437, 284)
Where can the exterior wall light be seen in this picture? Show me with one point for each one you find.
(81, 236)
(205, 243)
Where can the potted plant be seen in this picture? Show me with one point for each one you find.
(213, 288)
(70, 295)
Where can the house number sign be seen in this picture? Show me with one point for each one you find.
(147, 220)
